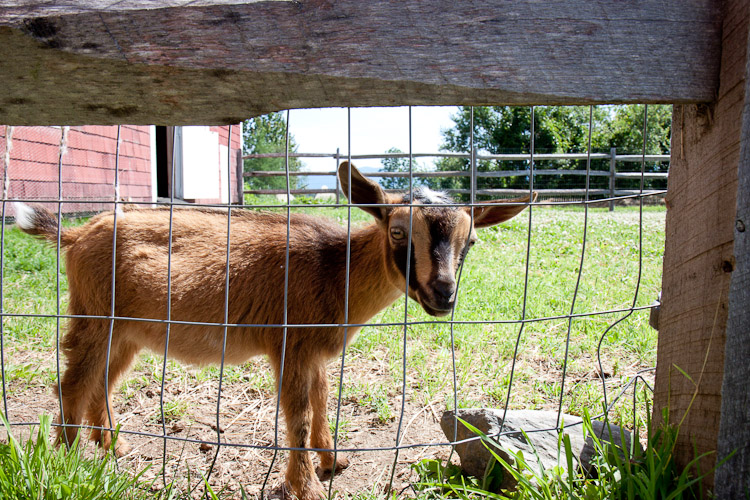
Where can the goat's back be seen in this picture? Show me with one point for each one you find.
(196, 264)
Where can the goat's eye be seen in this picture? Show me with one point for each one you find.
(397, 233)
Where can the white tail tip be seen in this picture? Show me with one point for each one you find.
(25, 215)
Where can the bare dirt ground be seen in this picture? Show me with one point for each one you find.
(247, 422)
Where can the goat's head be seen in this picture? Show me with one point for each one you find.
(440, 235)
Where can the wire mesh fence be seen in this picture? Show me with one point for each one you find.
(506, 343)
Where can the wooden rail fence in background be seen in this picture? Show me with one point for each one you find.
(610, 193)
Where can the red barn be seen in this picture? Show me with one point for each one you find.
(205, 165)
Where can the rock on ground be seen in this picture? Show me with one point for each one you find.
(541, 429)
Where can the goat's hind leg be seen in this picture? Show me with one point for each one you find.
(85, 364)
(100, 410)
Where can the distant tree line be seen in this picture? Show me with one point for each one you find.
(557, 129)
(500, 130)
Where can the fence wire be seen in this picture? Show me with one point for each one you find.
(67, 204)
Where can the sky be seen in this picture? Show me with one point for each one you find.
(374, 130)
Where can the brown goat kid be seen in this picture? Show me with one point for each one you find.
(440, 237)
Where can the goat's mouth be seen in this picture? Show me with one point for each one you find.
(432, 311)
(433, 307)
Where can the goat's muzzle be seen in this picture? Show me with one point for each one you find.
(440, 299)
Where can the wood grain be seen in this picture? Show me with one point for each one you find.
(216, 61)
(733, 478)
(699, 254)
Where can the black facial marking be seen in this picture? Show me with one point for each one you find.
(440, 222)
(440, 231)
(441, 227)
(399, 257)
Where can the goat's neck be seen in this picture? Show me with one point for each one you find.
(370, 290)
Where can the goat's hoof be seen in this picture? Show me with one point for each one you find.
(326, 469)
(311, 489)
(341, 463)
(122, 447)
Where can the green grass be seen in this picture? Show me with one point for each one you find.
(30, 287)
(174, 410)
(35, 469)
(372, 397)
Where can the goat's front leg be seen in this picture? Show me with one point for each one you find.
(321, 433)
(295, 401)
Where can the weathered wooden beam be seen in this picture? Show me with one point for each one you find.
(699, 256)
(733, 478)
(217, 61)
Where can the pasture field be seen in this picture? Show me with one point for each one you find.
(398, 373)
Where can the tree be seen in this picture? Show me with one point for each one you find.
(267, 134)
(557, 129)
(624, 131)
(399, 165)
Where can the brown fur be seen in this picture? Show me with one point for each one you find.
(317, 265)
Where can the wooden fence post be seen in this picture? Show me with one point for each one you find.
(473, 179)
(699, 256)
(733, 478)
(338, 189)
(240, 176)
(612, 171)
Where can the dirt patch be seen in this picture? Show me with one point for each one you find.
(247, 431)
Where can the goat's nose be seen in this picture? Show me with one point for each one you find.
(444, 289)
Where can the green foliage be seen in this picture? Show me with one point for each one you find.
(623, 129)
(447, 481)
(399, 165)
(647, 474)
(267, 134)
(557, 129)
(36, 470)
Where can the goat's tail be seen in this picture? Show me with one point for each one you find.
(39, 222)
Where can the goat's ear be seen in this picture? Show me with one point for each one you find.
(363, 190)
(489, 216)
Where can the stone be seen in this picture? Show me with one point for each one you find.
(540, 427)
